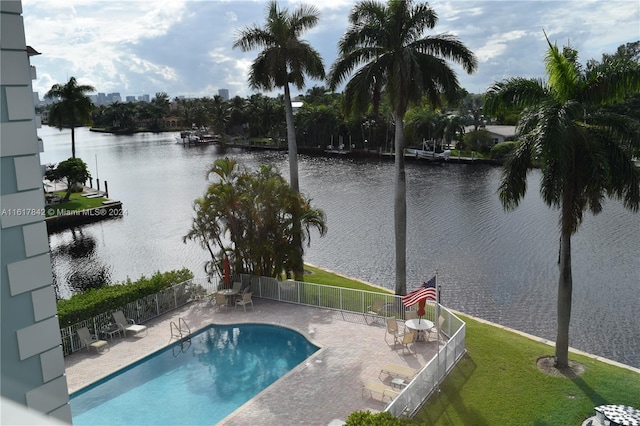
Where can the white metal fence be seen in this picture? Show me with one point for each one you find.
(359, 305)
(140, 311)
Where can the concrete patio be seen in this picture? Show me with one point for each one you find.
(325, 387)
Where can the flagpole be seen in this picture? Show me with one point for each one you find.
(437, 320)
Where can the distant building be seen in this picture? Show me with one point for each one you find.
(143, 98)
(131, 98)
(498, 133)
(224, 93)
(114, 97)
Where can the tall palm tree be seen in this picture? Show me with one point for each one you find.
(73, 109)
(582, 149)
(284, 60)
(396, 58)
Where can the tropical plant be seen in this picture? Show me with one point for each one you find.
(284, 60)
(73, 170)
(72, 110)
(387, 41)
(582, 149)
(250, 217)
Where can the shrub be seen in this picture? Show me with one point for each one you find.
(94, 302)
(366, 418)
(502, 149)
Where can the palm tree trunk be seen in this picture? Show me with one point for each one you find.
(291, 140)
(565, 284)
(73, 142)
(297, 262)
(400, 208)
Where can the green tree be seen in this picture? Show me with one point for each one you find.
(73, 109)
(73, 170)
(583, 151)
(284, 60)
(396, 58)
(250, 217)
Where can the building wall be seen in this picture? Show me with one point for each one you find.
(32, 368)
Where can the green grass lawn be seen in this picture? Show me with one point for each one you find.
(498, 382)
(76, 202)
(320, 276)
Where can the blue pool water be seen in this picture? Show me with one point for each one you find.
(193, 384)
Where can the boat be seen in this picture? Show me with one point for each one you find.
(194, 137)
(426, 153)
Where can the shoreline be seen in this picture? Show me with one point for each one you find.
(503, 327)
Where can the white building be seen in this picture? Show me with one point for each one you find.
(32, 367)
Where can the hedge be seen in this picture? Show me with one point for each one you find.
(94, 302)
(502, 149)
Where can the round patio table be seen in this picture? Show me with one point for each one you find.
(419, 325)
(229, 293)
(620, 414)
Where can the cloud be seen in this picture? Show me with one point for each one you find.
(185, 47)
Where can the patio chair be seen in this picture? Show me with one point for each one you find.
(125, 324)
(237, 286)
(399, 371)
(374, 309)
(220, 300)
(392, 329)
(91, 341)
(406, 339)
(410, 315)
(380, 389)
(434, 331)
(246, 300)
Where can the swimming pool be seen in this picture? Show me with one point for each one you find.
(194, 383)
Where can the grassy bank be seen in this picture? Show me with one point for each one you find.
(76, 202)
(498, 382)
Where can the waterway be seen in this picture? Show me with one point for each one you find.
(492, 264)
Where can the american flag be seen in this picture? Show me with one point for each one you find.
(425, 291)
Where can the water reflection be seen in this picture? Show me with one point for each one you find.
(78, 248)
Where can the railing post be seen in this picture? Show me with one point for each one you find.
(157, 305)
(340, 289)
(175, 298)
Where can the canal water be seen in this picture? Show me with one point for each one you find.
(498, 266)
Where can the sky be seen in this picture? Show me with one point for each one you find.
(184, 48)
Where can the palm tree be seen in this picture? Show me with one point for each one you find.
(396, 58)
(285, 60)
(72, 110)
(582, 149)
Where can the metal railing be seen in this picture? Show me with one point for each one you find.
(366, 305)
(140, 311)
(372, 306)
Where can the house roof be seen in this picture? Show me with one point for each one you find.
(504, 131)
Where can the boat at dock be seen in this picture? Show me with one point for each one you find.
(427, 152)
(194, 137)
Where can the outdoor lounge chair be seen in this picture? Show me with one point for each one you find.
(246, 300)
(400, 371)
(128, 325)
(91, 341)
(381, 389)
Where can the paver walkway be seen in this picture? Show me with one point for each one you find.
(326, 386)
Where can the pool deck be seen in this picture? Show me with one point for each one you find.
(327, 386)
